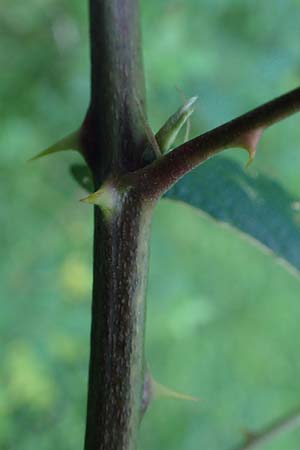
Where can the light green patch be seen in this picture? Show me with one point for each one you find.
(75, 279)
(66, 347)
(167, 134)
(27, 381)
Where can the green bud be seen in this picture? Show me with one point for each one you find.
(167, 134)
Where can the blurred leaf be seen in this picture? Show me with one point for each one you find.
(83, 176)
(244, 378)
(255, 205)
(75, 279)
(27, 381)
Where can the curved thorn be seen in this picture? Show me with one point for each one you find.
(248, 141)
(69, 142)
(107, 198)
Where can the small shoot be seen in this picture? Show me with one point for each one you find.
(187, 130)
(188, 122)
(167, 134)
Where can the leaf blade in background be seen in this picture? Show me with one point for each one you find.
(82, 175)
(255, 205)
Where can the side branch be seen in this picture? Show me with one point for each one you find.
(243, 131)
(275, 429)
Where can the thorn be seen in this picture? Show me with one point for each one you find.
(107, 198)
(249, 162)
(69, 142)
(249, 141)
(160, 391)
(92, 199)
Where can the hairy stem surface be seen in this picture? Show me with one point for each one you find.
(114, 130)
(113, 138)
(117, 353)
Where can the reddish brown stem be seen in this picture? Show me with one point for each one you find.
(158, 177)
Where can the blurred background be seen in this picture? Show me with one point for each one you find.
(223, 317)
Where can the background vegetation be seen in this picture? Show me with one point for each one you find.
(223, 316)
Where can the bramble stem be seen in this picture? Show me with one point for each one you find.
(113, 129)
(113, 140)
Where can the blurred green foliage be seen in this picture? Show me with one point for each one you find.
(222, 316)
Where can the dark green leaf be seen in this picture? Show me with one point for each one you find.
(255, 205)
(83, 176)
